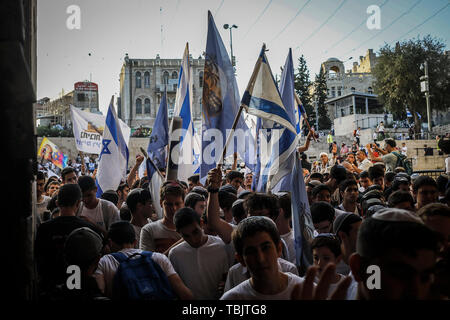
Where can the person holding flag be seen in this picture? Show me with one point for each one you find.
(156, 151)
(113, 162)
(220, 103)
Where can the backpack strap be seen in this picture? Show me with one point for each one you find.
(119, 256)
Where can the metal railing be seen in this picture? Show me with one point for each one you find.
(431, 173)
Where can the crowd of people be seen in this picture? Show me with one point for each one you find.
(222, 240)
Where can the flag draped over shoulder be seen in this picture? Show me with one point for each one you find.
(276, 133)
(113, 162)
(220, 103)
(156, 151)
(183, 109)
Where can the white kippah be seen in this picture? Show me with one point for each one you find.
(394, 214)
(322, 154)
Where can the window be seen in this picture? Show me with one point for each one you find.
(138, 106)
(339, 91)
(174, 75)
(353, 89)
(147, 106)
(333, 92)
(369, 90)
(200, 79)
(165, 77)
(147, 79)
(138, 80)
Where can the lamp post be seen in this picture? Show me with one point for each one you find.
(425, 87)
(315, 110)
(227, 26)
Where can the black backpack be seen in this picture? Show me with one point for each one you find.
(404, 162)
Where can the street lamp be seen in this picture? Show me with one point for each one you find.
(425, 87)
(227, 26)
(315, 110)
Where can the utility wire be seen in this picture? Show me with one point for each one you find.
(425, 21)
(257, 19)
(384, 29)
(321, 26)
(290, 21)
(351, 32)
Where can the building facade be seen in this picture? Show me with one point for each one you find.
(51, 112)
(142, 84)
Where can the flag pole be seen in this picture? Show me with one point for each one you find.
(297, 99)
(236, 119)
(151, 161)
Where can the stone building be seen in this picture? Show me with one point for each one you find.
(142, 83)
(57, 111)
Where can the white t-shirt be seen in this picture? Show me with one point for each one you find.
(202, 269)
(290, 245)
(238, 273)
(404, 150)
(137, 232)
(104, 214)
(245, 291)
(108, 265)
(42, 206)
(157, 237)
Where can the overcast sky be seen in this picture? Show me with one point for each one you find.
(318, 29)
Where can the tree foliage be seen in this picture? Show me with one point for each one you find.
(398, 72)
(324, 121)
(302, 83)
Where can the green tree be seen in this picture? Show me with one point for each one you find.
(302, 83)
(320, 86)
(398, 72)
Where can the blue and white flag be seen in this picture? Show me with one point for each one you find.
(418, 114)
(156, 151)
(220, 103)
(183, 109)
(262, 99)
(301, 217)
(300, 112)
(288, 140)
(112, 167)
(276, 140)
(408, 113)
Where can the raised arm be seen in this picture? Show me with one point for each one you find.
(305, 147)
(217, 224)
(132, 176)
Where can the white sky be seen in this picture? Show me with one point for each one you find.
(111, 28)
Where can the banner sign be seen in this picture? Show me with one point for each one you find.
(88, 130)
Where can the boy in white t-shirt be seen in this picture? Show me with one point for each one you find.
(258, 247)
(122, 238)
(202, 261)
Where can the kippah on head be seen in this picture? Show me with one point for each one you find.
(394, 214)
(344, 220)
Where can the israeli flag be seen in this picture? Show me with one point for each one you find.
(156, 151)
(276, 141)
(408, 113)
(262, 99)
(183, 109)
(112, 167)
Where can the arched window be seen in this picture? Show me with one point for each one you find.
(147, 106)
(370, 90)
(138, 80)
(200, 79)
(165, 77)
(147, 79)
(174, 75)
(138, 106)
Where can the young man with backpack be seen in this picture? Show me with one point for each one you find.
(391, 157)
(133, 274)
